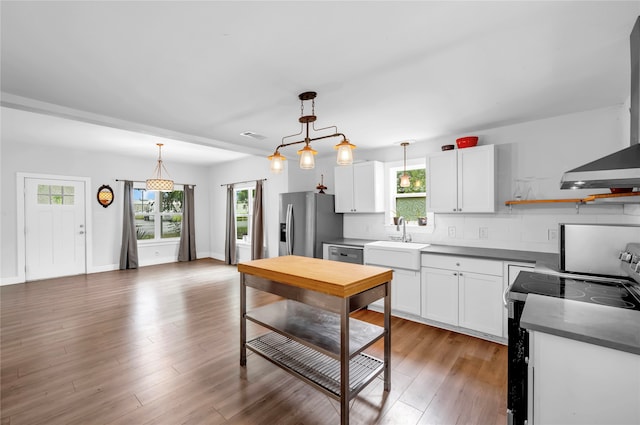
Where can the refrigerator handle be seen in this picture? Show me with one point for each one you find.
(289, 230)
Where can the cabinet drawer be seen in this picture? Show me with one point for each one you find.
(468, 264)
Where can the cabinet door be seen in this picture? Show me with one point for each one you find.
(481, 302)
(476, 179)
(344, 188)
(440, 295)
(442, 189)
(368, 187)
(405, 291)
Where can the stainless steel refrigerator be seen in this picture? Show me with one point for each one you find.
(306, 220)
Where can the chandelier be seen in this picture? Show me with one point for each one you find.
(307, 153)
(157, 182)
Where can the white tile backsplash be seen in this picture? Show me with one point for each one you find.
(523, 229)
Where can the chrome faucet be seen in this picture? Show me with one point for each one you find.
(402, 221)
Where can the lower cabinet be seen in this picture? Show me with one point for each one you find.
(405, 292)
(480, 303)
(464, 292)
(576, 383)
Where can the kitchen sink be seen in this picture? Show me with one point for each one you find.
(402, 255)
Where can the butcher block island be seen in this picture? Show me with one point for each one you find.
(311, 334)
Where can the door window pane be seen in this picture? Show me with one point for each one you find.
(44, 199)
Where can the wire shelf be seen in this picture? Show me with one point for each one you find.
(313, 366)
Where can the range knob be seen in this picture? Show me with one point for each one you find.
(625, 256)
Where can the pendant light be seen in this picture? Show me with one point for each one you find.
(157, 182)
(307, 153)
(405, 181)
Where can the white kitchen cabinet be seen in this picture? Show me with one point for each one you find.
(440, 295)
(461, 180)
(359, 188)
(480, 304)
(463, 291)
(576, 382)
(405, 292)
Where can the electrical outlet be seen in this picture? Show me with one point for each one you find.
(552, 234)
(484, 233)
(452, 231)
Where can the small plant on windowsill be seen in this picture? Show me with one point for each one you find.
(395, 217)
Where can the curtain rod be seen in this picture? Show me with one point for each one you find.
(246, 181)
(142, 181)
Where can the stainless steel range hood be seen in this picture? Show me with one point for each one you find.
(622, 168)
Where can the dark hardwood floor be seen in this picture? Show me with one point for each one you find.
(160, 345)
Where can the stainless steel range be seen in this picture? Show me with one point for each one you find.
(598, 264)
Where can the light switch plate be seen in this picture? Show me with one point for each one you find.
(484, 233)
(452, 231)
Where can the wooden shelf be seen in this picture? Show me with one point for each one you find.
(610, 197)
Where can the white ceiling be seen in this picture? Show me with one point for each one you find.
(203, 72)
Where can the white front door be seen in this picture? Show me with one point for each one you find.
(54, 228)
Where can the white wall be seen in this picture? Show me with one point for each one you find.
(106, 232)
(543, 149)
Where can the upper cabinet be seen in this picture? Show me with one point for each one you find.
(461, 180)
(360, 188)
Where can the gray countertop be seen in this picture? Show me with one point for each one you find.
(611, 327)
(542, 259)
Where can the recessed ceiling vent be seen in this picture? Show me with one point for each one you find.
(253, 135)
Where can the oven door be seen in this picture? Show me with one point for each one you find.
(517, 370)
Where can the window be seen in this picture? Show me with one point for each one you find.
(409, 202)
(55, 195)
(244, 213)
(158, 215)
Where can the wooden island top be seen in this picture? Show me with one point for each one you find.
(329, 277)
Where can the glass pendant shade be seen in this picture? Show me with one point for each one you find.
(345, 154)
(404, 180)
(277, 163)
(307, 160)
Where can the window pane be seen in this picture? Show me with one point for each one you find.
(68, 199)
(56, 190)
(143, 201)
(171, 226)
(56, 199)
(145, 227)
(242, 226)
(68, 190)
(242, 201)
(418, 181)
(44, 199)
(171, 201)
(43, 189)
(411, 208)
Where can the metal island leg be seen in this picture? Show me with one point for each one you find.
(243, 320)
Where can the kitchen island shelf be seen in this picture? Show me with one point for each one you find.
(313, 336)
(314, 367)
(314, 327)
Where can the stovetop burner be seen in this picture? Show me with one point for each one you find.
(613, 293)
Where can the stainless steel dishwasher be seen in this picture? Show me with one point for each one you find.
(346, 254)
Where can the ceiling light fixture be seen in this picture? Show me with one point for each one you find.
(405, 181)
(307, 153)
(157, 182)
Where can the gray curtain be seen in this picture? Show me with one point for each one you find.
(257, 235)
(129, 249)
(230, 238)
(187, 251)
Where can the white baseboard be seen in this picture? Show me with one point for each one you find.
(11, 280)
(105, 268)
